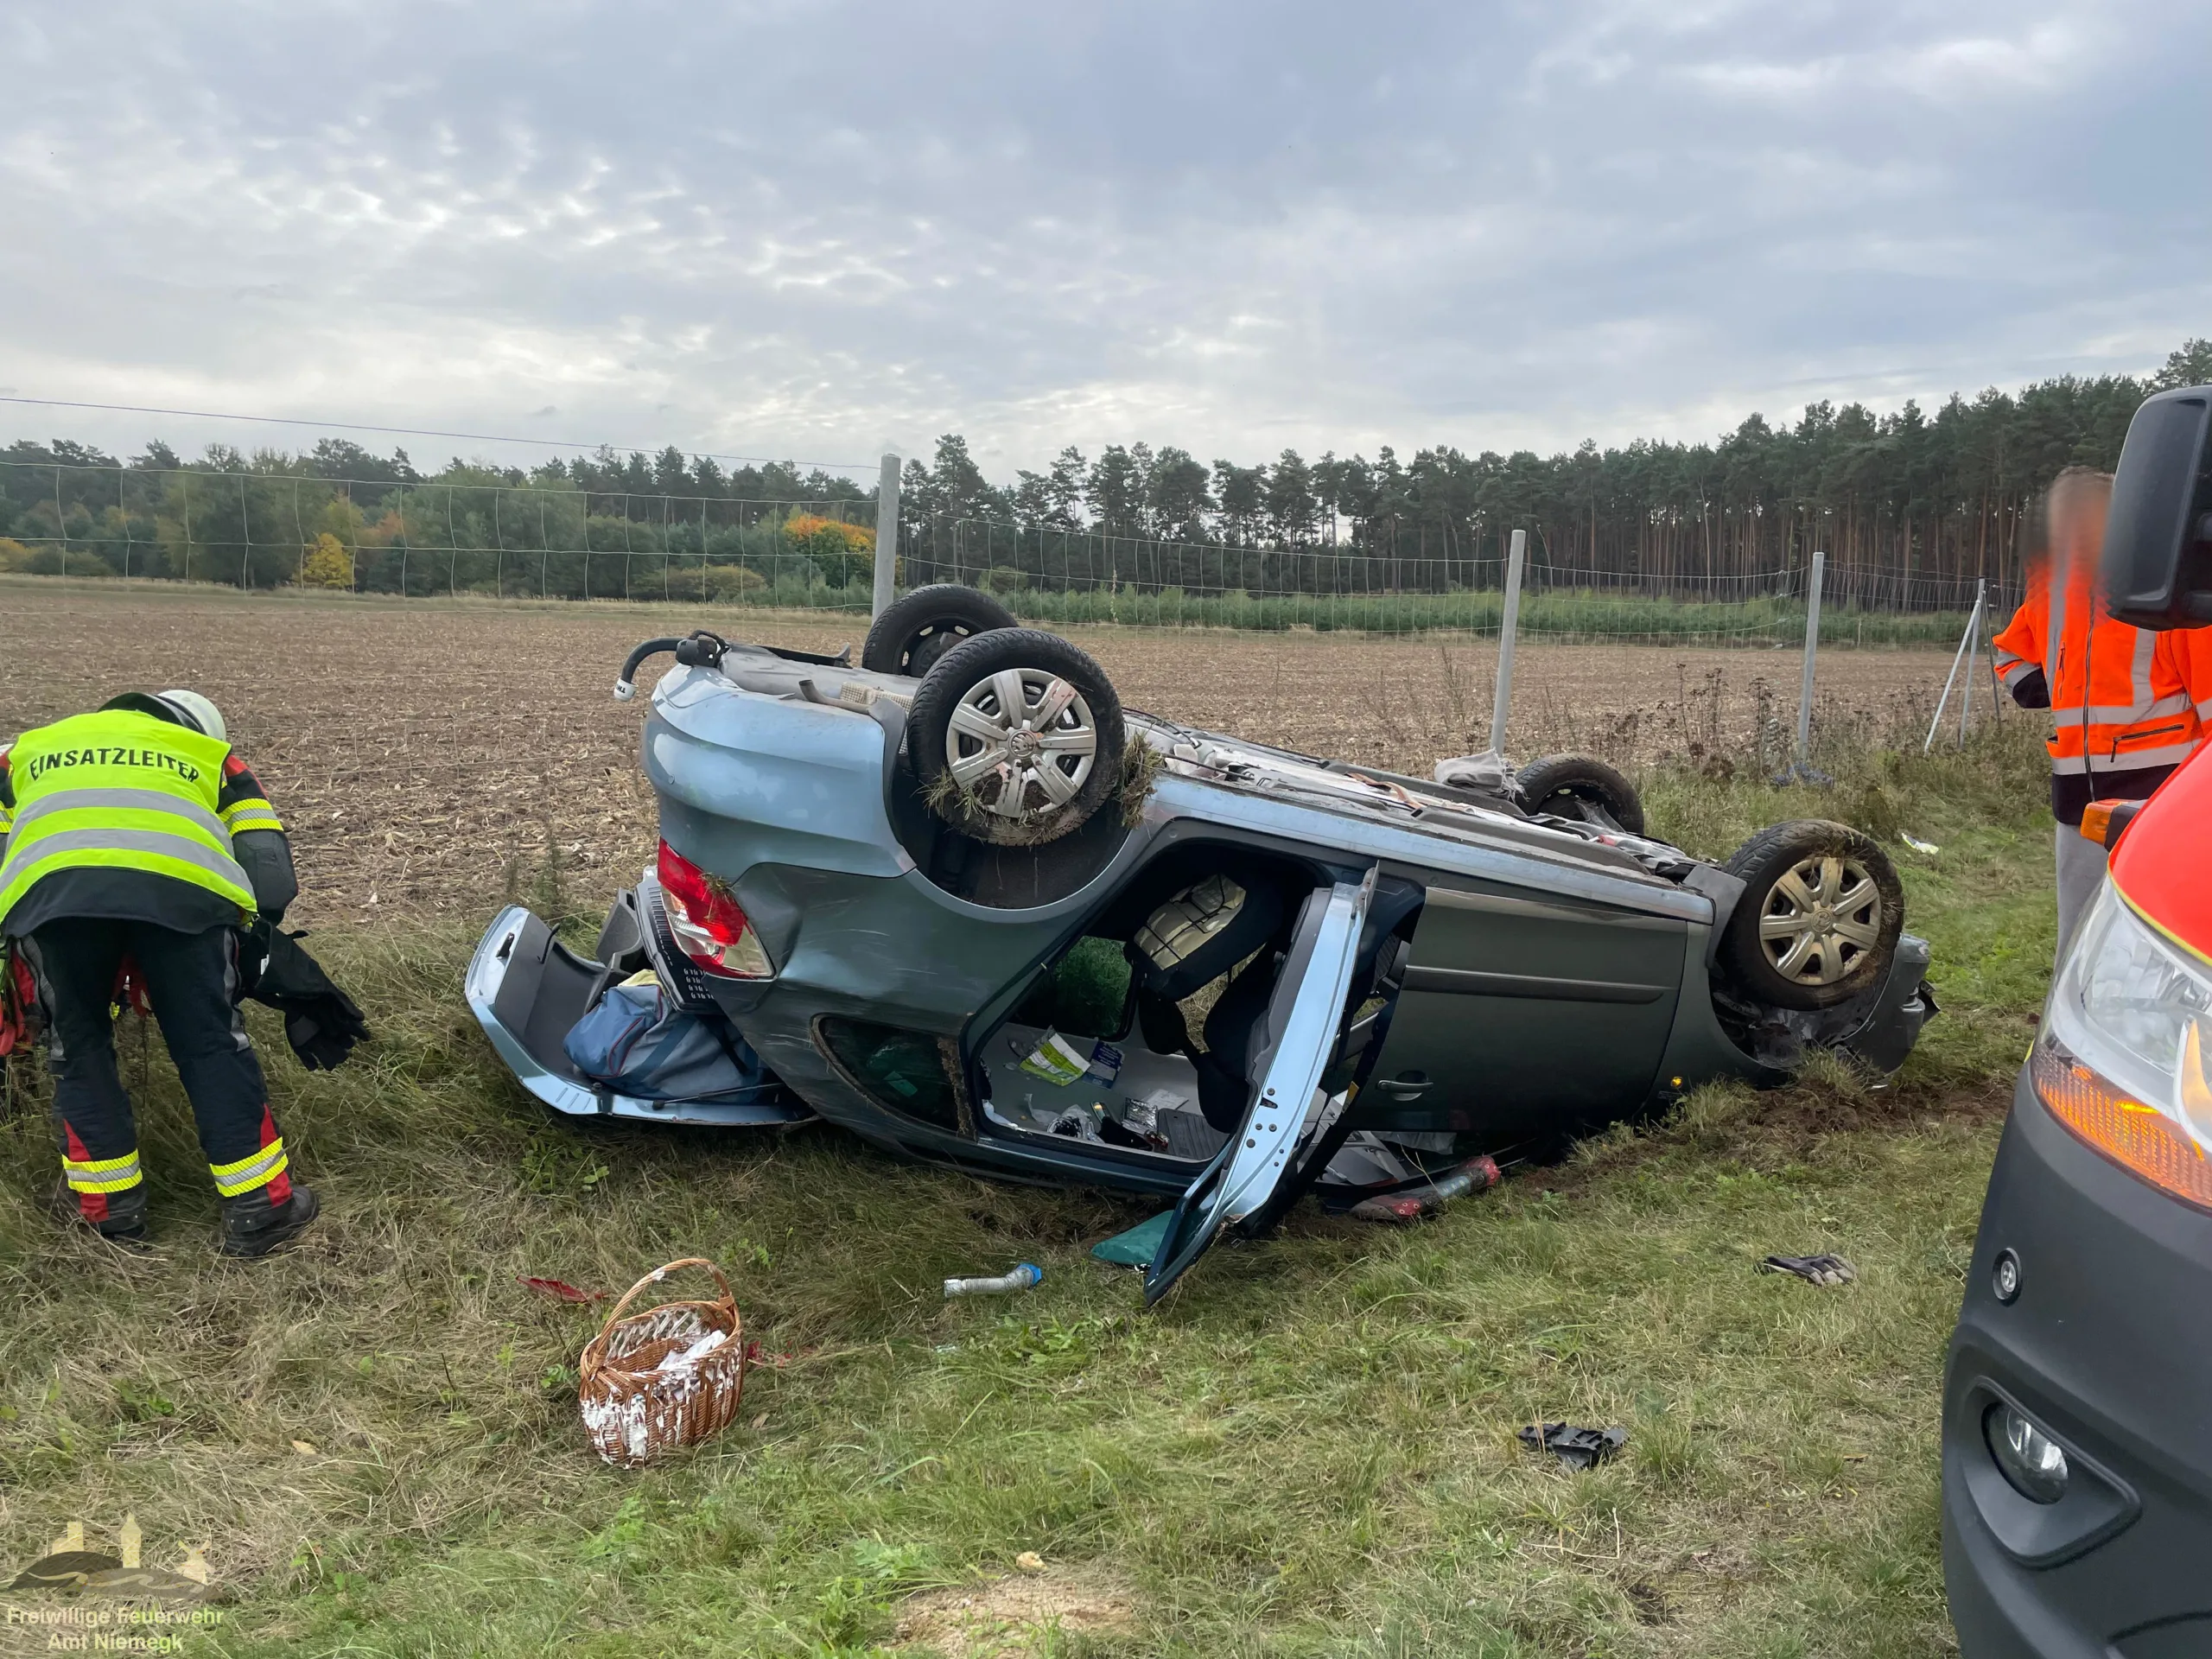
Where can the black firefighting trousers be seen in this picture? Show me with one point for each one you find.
(191, 979)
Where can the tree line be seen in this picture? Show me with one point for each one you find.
(1911, 508)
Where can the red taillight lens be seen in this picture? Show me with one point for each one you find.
(707, 920)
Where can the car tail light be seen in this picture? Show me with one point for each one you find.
(2124, 1057)
(709, 926)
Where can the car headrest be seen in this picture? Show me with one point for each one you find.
(1201, 933)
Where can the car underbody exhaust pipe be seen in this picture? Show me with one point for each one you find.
(693, 651)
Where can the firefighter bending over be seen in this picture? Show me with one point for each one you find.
(135, 835)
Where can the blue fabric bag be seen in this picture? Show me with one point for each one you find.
(635, 1041)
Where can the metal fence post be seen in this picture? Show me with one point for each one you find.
(1812, 651)
(887, 536)
(1509, 626)
(1974, 650)
(1962, 657)
(1800, 769)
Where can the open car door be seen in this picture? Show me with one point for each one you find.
(1303, 1018)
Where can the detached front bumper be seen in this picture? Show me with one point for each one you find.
(527, 989)
(2107, 1348)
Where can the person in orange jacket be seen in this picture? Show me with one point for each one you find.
(2195, 648)
(2124, 711)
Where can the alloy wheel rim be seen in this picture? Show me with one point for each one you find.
(1021, 743)
(1823, 916)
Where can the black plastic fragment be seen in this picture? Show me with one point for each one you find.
(1824, 1270)
(1576, 1446)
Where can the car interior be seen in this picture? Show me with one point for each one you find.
(1143, 1034)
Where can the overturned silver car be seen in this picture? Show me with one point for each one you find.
(958, 901)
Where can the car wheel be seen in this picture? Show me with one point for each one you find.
(1819, 919)
(1580, 786)
(913, 632)
(1016, 737)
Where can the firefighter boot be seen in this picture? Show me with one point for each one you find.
(253, 1225)
(124, 1220)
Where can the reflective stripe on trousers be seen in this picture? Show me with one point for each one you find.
(264, 1166)
(100, 1174)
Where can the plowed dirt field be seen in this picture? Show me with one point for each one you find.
(426, 754)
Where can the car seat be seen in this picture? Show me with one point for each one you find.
(1193, 939)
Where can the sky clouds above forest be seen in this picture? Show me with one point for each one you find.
(819, 230)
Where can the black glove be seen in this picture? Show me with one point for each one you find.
(322, 1033)
(252, 955)
(1812, 1269)
(321, 1022)
(2031, 691)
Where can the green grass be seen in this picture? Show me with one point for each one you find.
(1307, 1450)
(793, 583)
(1559, 615)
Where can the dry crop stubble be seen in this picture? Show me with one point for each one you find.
(423, 753)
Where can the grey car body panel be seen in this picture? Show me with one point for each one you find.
(1522, 1011)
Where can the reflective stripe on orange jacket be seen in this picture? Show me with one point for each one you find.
(2194, 646)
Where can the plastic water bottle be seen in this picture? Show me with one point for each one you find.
(1022, 1278)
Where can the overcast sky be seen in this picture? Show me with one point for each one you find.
(819, 230)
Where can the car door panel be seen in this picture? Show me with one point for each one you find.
(1304, 1018)
(1522, 1012)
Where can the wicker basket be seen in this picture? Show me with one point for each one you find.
(641, 1394)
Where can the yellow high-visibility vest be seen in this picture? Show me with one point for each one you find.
(118, 789)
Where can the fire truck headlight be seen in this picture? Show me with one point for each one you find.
(2125, 1056)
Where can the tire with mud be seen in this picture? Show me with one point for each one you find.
(1571, 786)
(1015, 737)
(1820, 916)
(913, 632)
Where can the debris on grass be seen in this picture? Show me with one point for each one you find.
(1576, 1446)
(669, 1378)
(1024, 1276)
(561, 1289)
(1029, 1561)
(1137, 1247)
(1476, 1175)
(1918, 844)
(1823, 1270)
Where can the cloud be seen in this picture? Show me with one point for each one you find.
(812, 229)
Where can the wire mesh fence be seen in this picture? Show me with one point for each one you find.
(1414, 584)
(452, 538)
(485, 534)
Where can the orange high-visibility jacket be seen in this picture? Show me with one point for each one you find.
(2194, 647)
(2120, 699)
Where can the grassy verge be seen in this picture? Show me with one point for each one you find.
(1308, 1450)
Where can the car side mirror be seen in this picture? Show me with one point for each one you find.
(2157, 549)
